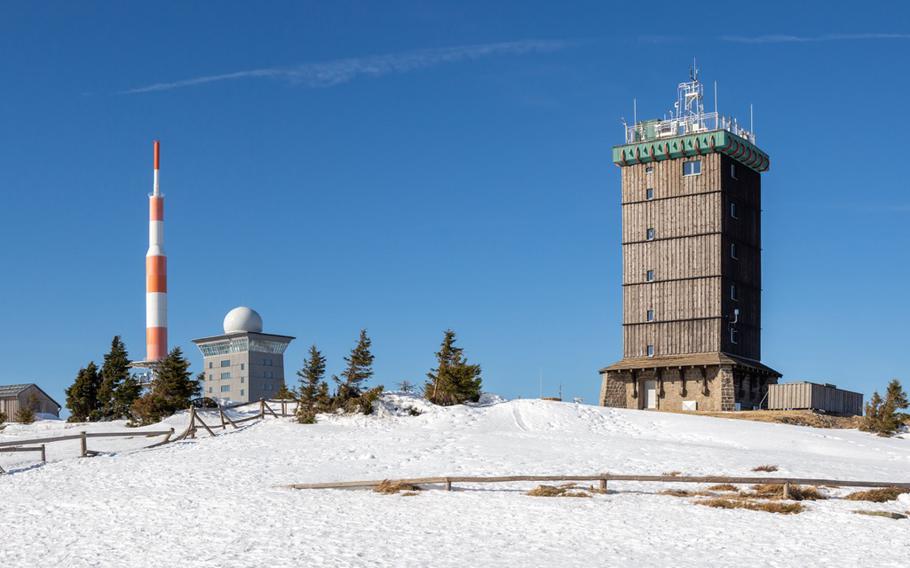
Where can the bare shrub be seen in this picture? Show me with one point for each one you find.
(770, 506)
(776, 491)
(567, 490)
(878, 495)
(389, 487)
(768, 468)
(723, 487)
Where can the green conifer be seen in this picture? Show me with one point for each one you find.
(359, 369)
(454, 380)
(115, 374)
(82, 395)
(312, 377)
(172, 389)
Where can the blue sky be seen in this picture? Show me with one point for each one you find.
(412, 166)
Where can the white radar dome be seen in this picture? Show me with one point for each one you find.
(242, 318)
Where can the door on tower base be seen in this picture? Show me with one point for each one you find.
(650, 394)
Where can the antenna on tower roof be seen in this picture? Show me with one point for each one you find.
(693, 71)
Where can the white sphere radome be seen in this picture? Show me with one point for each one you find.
(242, 318)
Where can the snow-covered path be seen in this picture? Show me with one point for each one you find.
(218, 501)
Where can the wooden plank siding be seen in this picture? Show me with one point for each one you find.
(691, 256)
(812, 396)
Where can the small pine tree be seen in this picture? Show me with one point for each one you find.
(312, 377)
(359, 369)
(407, 387)
(115, 372)
(82, 395)
(26, 414)
(172, 389)
(284, 393)
(883, 416)
(454, 381)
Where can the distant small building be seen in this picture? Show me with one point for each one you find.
(813, 396)
(243, 364)
(14, 397)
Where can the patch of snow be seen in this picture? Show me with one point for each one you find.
(219, 501)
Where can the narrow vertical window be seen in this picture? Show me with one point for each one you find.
(650, 351)
(650, 315)
(649, 193)
(733, 210)
(733, 292)
(649, 170)
(733, 251)
(650, 276)
(733, 171)
(734, 336)
(649, 234)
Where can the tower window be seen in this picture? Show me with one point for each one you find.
(649, 170)
(649, 234)
(225, 363)
(242, 365)
(225, 388)
(650, 276)
(733, 251)
(650, 351)
(733, 295)
(692, 168)
(733, 171)
(210, 389)
(241, 392)
(733, 210)
(649, 193)
(734, 336)
(226, 375)
(650, 315)
(211, 365)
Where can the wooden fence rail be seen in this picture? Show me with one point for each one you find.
(602, 478)
(195, 421)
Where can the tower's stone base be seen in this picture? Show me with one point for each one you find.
(712, 383)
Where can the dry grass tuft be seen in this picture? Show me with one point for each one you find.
(770, 507)
(409, 494)
(566, 490)
(678, 493)
(878, 495)
(766, 467)
(776, 491)
(886, 514)
(723, 487)
(671, 473)
(391, 487)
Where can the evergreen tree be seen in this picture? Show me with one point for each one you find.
(454, 380)
(172, 389)
(26, 414)
(359, 369)
(312, 377)
(883, 416)
(115, 372)
(82, 395)
(406, 387)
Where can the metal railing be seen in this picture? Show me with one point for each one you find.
(680, 126)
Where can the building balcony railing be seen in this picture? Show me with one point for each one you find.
(657, 129)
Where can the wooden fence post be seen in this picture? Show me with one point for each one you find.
(221, 414)
(193, 422)
(262, 409)
(43, 455)
(83, 443)
(603, 484)
(448, 484)
(786, 490)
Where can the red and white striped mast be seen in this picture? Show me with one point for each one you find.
(156, 275)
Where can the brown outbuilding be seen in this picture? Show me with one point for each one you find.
(14, 397)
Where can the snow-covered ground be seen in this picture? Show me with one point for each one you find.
(219, 502)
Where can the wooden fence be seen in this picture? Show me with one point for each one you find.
(602, 479)
(193, 425)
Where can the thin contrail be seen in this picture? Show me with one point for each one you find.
(782, 38)
(336, 72)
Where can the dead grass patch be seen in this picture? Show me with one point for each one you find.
(767, 467)
(886, 514)
(769, 506)
(565, 490)
(776, 491)
(671, 473)
(391, 487)
(724, 487)
(878, 495)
